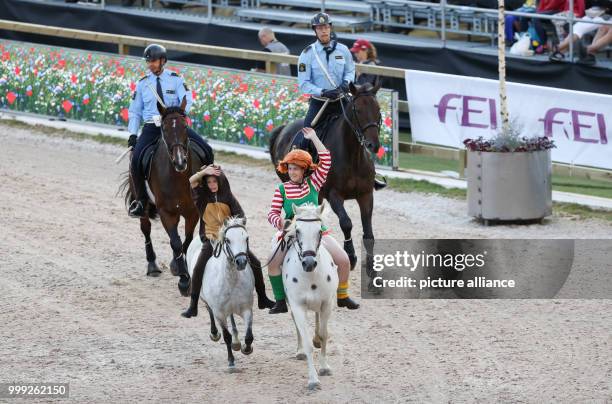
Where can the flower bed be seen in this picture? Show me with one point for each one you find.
(229, 105)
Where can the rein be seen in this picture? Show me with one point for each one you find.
(358, 130)
(286, 244)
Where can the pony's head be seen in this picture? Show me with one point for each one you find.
(174, 134)
(233, 239)
(364, 112)
(307, 232)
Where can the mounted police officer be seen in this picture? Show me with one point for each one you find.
(325, 69)
(170, 88)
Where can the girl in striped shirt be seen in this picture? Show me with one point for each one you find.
(304, 188)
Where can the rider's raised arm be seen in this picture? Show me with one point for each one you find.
(135, 110)
(274, 216)
(320, 174)
(305, 74)
(183, 91)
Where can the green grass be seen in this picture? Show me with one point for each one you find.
(396, 184)
(426, 163)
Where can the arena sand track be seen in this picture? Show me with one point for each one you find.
(76, 307)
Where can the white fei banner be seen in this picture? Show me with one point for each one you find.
(446, 109)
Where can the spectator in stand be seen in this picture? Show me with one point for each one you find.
(271, 44)
(365, 53)
(558, 8)
(581, 28)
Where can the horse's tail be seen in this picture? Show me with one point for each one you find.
(125, 189)
(273, 140)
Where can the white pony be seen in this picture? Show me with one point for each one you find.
(228, 285)
(311, 280)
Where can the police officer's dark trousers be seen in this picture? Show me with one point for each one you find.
(313, 109)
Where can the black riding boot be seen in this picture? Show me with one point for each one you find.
(348, 303)
(279, 307)
(137, 207)
(260, 287)
(197, 278)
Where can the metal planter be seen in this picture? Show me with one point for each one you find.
(509, 186)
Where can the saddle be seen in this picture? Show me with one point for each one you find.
(149, 151)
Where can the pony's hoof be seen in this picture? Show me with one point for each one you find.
(174, 270)
(183, 286)
(236, 346)
(316, 342)
(314, 385)
(153, 270)
(231, 368)
(246, 350)
(325, 372)
(215, 337)
(301, 356)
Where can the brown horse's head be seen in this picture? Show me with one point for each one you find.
(365, 114)
(174, 135)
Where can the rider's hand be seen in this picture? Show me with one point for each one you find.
(132, 140)
(333, 94)
(211, 170)
(309, 133)
(344, 87)
(285, 225)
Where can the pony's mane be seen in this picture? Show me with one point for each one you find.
(231, 221)
(307, 211)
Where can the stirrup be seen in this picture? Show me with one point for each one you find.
(136, 209)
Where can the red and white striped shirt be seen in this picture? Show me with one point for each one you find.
(297, 191)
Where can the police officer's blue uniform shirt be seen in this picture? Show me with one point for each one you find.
(340, 67)
(144, 103)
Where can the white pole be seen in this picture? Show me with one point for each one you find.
(501, 53)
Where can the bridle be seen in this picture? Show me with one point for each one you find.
(170, 148)
(300, 250)
(358, 130)
(224, 245)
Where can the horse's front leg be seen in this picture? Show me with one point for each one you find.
(299, 317)
(145, 228)
(191, 221)
(299, 353)
(326, 308)
(214, 333)
(235, 337)
(337, 204)
(227, 337)
(178, 266)
(247, 347)
(366, 206)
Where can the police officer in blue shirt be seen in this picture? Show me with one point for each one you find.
(171, 89)
(325, 69)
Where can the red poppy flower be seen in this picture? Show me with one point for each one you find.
(249, 132)
(125, 115)
(73, 78)
(388, 121)
(11, 97)
(17, 70)
(256, 104)
(67, 105)
(132, 86)
(381, 152)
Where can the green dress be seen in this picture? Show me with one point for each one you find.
(311, 197)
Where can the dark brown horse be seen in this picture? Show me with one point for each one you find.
(350, 139)
(169, 192)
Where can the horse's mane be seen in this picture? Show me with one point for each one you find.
(229, 222)
(174, 110)
(308, 211)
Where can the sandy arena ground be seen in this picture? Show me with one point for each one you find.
(76, 307)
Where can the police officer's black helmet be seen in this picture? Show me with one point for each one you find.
(154, 52)
(320, 19)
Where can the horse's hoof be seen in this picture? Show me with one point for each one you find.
(301, 356)
(246, 350)
(314, 385)
(236, 346)
(316, 342)
(153, 270)
(215, 337)
(183, 286)
(231, 368)
(325, 372)
(174, 270)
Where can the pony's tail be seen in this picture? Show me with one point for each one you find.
(273, 138)
(125, 190)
